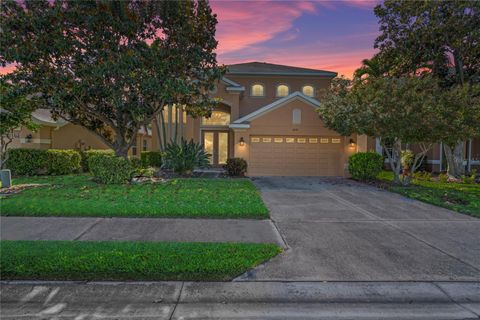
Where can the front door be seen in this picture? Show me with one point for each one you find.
(216, 144)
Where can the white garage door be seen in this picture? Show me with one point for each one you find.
(295, 156)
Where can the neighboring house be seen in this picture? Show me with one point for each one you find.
(266, 116)
(59, 134)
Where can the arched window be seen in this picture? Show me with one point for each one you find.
(296, 116)
(282, 90)
(308, 91)
(257, 90)
(218, 118)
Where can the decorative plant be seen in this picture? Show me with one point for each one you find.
(365, 165)
(185, 156)
(236, 167)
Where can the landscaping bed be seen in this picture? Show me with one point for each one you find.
(80, 196)
(460, 197)
(78, 260)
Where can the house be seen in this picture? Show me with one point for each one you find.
(60, 134)
(266, 116)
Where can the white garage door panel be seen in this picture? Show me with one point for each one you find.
(295, 159)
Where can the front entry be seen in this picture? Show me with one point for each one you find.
(216, 144)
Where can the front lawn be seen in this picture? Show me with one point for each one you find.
(464, 198)
(68, 260)
(78, 195)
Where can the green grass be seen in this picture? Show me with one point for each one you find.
(68, 260)
(77, 195)
(460, 197)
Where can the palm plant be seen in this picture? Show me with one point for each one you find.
(185, 156)
(371, 68)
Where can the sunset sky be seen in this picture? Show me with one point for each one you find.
(328, 35)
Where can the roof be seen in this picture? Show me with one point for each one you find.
(232, 85)
(44, 117)
(263, 68)
(242, 123)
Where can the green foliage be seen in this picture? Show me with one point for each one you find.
(136, 163)
(109, 169)
(145, 172)
(236, 167)
(117, 78)
(422, 176)
(443, 177)
(470, 179)
(151, 158)
(27, 162)
(365, 165)
(88, 153)
(61, 162)
(406, 159)
(78, 195)
(115, 260)
(460, 197)
(185, 156)
(16, 106)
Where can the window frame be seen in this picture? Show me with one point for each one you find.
(298, 123)
(264, 90)
(276, 90)
(313, 87)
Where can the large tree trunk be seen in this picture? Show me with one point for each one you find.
(454, 157)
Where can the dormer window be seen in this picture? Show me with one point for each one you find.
(308, 90)
(282, 90)
(257, 90)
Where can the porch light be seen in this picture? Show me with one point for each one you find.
(352, 143)
(242, 142)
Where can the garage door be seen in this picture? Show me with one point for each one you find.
(295, 156)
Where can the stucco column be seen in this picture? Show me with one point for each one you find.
(362, 143)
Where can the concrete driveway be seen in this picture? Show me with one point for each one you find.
(339, 230)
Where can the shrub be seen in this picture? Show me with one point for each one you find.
(443, 177)
(185, 156)
(236, 167)
(110, 169)
(422, 176)
(470, 179)
(26, 162)
(151, 159)
(62, 161)
(365, 165)
(136, 163)
(86, 154)
(406, 159)
(145, 172)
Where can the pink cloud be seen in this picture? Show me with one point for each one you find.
(243, 24)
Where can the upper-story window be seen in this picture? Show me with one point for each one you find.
(308, 90)
(257, 90)
(218, 118)
(296, 116)
(282, 90)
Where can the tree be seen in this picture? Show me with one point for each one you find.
(437, 37)
(16, 107)
(373, 67)
(404, 110)
(112, 66)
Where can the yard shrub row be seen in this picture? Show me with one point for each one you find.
(86, 154)
(29, 162)
(110, 169)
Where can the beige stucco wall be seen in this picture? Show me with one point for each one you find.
(249, 104)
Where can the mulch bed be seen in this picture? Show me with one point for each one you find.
(19, 188)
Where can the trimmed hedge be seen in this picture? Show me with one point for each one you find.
(86, 154)
(110, 169)
(61, 162)
(236, 167)
(27, 162)
(365, 165)
(151, 159)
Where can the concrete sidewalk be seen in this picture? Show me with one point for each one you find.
(139, 229)
(241, 300)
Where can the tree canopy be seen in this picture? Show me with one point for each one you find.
(111, 66)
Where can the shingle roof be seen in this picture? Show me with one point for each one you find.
(263, 68)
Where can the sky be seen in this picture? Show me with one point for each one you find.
(332, 35)
(327, 35)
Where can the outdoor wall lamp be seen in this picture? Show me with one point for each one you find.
(242, 142)
(352, 143)
(28, 138)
